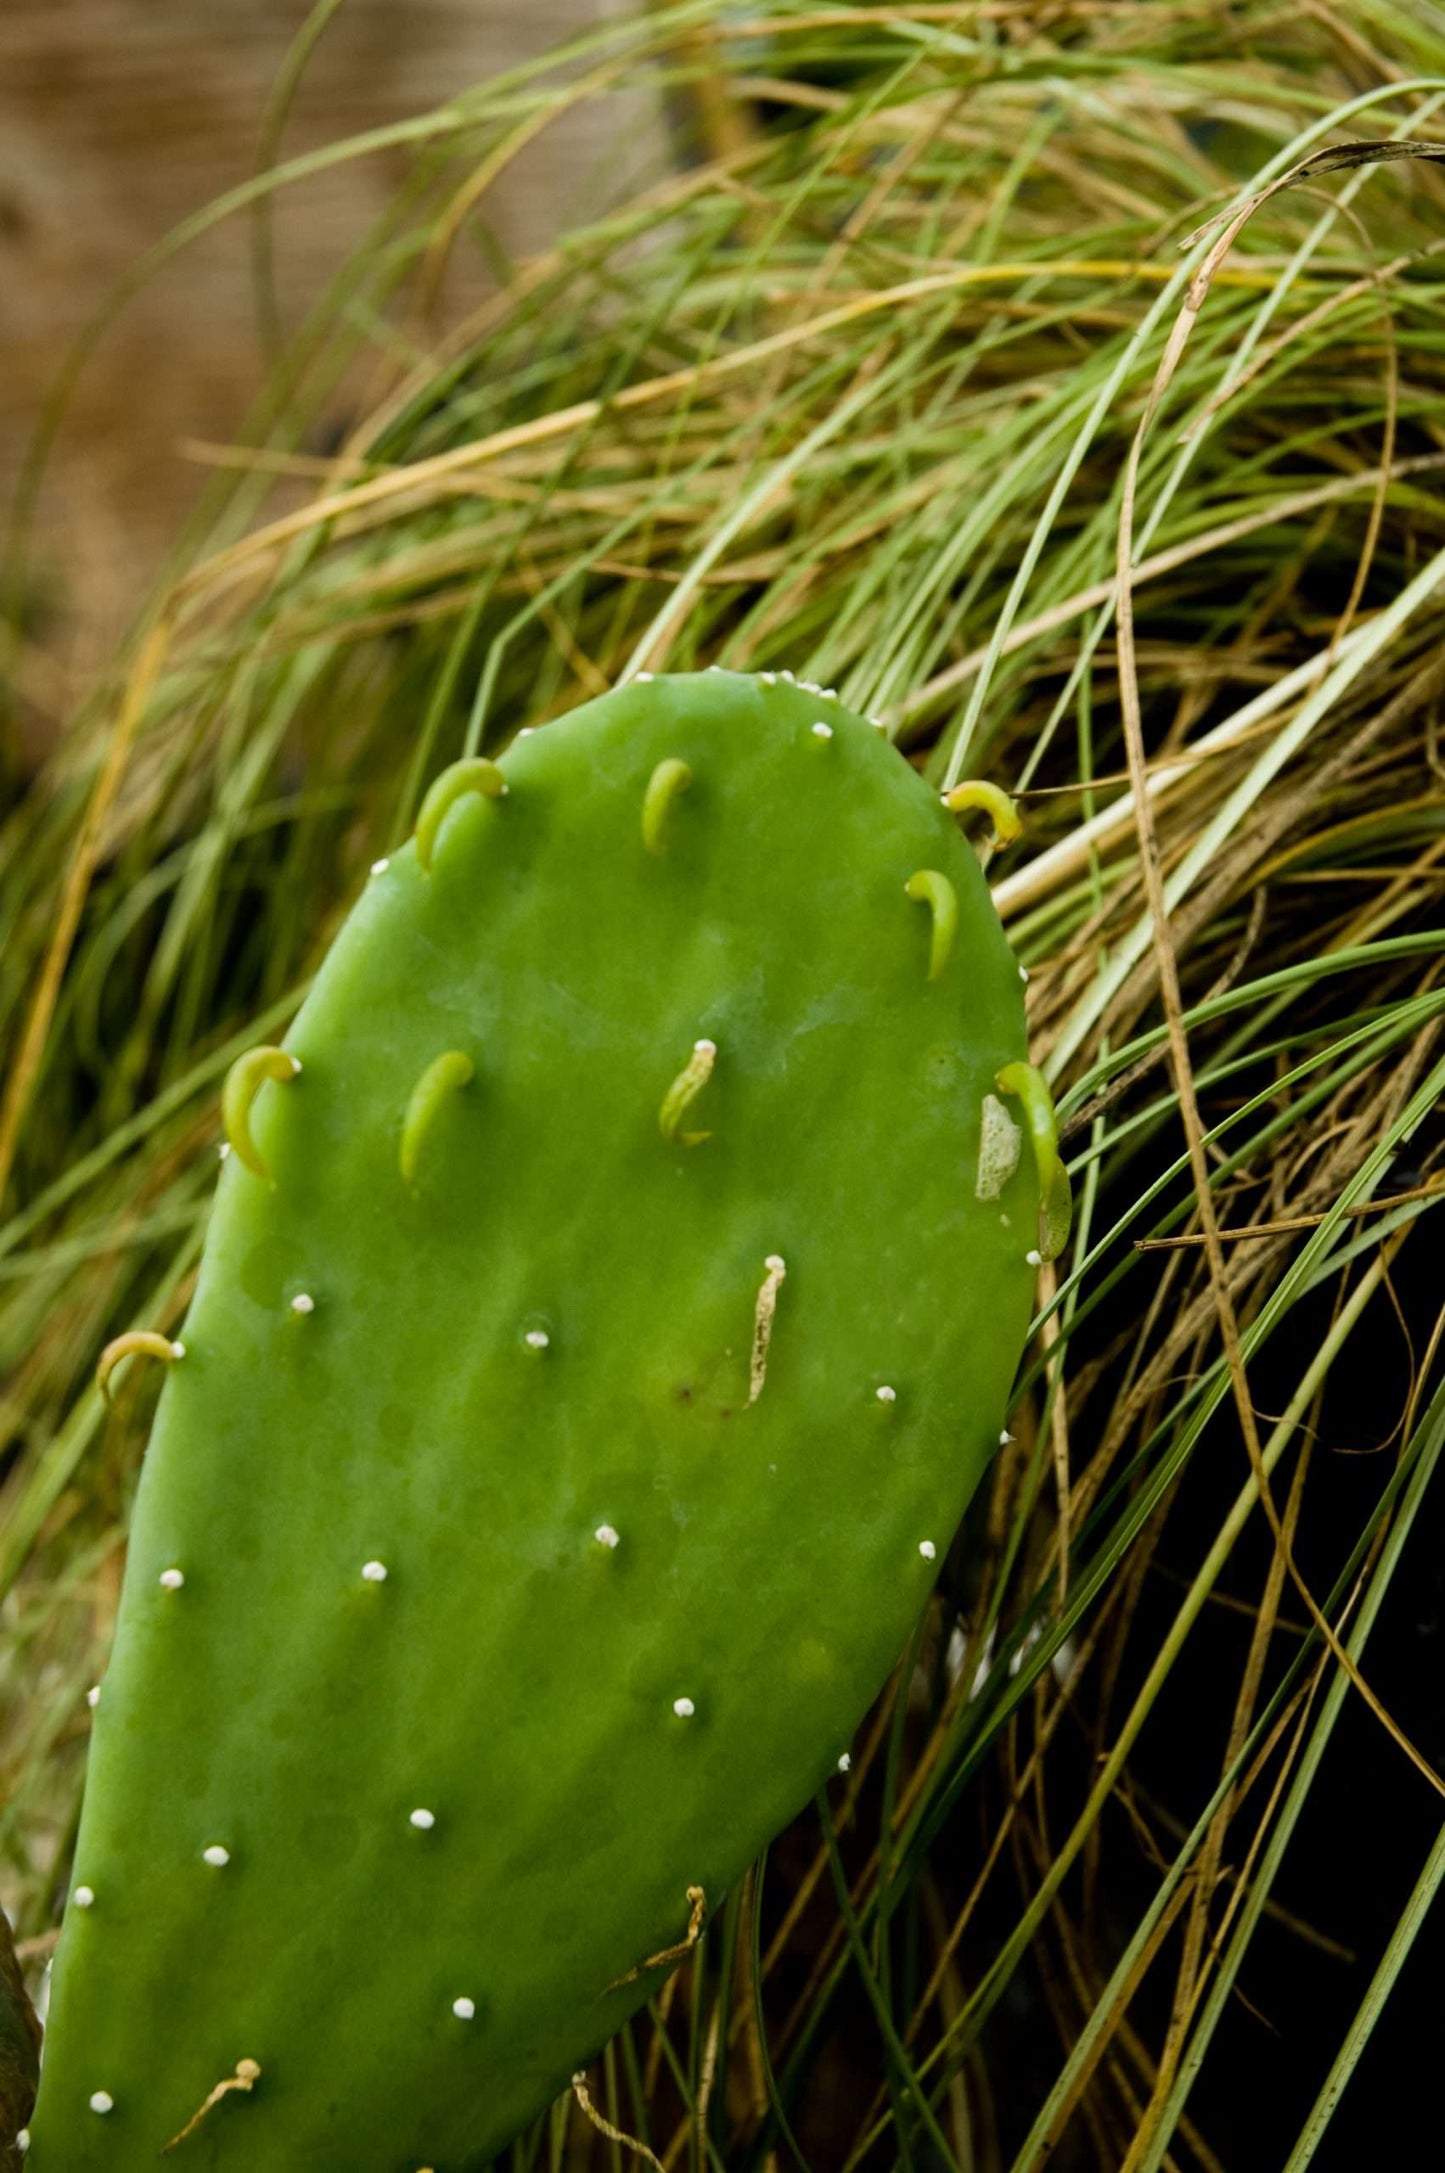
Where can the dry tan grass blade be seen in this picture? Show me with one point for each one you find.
(605, 2127)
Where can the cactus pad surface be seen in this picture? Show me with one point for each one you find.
(582, 1385)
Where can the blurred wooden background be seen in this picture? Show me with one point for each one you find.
(117, 119)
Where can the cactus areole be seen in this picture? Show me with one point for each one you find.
(610, 1305)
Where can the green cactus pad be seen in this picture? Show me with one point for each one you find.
(564, 1438)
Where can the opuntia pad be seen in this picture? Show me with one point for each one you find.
(545, 1519)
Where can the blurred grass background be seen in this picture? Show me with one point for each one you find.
(890, 334)
(118, 118)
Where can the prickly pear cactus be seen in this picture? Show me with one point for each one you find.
(611, 1301)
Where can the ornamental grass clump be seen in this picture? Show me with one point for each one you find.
(1063, 389)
